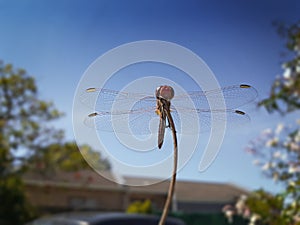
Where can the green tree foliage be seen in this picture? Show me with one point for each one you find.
(285, 90)
(277, 151)
(23, 119)
(14, 208)
(25, 125)
(65, 157)
(144, 207)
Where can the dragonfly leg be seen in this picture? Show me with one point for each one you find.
(157, 111)
(168, 124)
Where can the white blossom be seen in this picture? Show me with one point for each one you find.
(275, 177)
(279, 128)
(267, 132)
(284, 156)
(272, 142)
(297, 69)
(229, 212)
(297, 47)
(277, 155)
(267, 166)
(294, 146)
(287, 73)
(286, 144)
(293, 169)
(255, 217)
(294, 204)
(241, 204)
(297, 218)
(295, 93)
(292, 183)
(297, 136)
(229, 215)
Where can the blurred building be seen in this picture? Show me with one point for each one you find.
(86, 190)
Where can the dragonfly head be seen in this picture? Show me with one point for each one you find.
(165, 92)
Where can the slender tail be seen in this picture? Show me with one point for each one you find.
(161, 130)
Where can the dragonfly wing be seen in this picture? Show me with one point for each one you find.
(148, 122)
(141, 119)
(234, 96)
(100, 99)
(135, 113)
(137, 123)
(193, 122)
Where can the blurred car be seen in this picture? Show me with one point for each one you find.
(96, 218)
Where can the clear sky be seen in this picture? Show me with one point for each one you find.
(55, 41)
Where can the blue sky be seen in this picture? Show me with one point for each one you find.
(55, 41)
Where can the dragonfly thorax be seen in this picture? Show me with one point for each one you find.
(164, 92)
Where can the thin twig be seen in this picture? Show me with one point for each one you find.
(173, 179)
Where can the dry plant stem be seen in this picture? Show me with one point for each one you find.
(173, 180)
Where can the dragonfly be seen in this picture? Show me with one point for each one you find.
(163, 95)
(133, 113)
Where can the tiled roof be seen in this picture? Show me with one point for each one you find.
(190, 191)
(186, 191)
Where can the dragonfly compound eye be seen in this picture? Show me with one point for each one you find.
(165, 92)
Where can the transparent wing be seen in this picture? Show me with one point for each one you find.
(128, 122)
(135, 113)
(234, 96)
(104, 99)
(148, 122)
